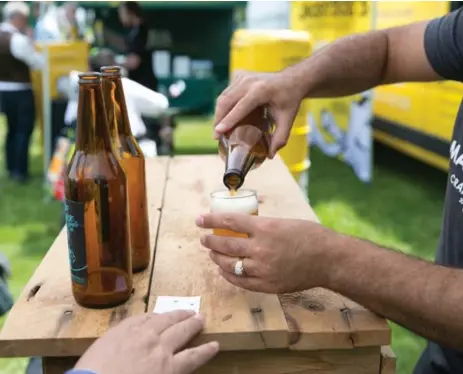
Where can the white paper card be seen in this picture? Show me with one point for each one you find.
(166, 304)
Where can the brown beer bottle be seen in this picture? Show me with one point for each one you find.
(133, 162)
(96, 207)
(245, 148)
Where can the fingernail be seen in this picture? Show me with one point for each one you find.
(200, 221)
(202, 240)
(199, 316)
(215, 345)
(220, 127)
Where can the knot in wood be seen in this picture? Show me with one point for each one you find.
(312, 305)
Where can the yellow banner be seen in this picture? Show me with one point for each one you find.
(426, 107)
(391, 14)
(339, 127)
(62, 58)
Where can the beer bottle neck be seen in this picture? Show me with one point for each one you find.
(92, 126)
(240, 160)
(116, 108)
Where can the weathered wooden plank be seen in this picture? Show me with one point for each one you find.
(388, 360)
(367, 328)
(352, 361)
(46, 321)
(276, 361)
(238, 319)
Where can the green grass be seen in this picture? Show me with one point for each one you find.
(401, 209)
(195, 137)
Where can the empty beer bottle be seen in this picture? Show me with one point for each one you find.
(245, 148)
(133, 162)
(96, 207)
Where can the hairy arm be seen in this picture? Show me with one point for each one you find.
(359, 62)
(419, 52)
(421, 296)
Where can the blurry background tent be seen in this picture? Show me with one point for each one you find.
(190, 40)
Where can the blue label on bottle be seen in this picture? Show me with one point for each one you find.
(76, 241)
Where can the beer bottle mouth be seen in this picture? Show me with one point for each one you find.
(111, 71)
(233, 179)
(89, 77)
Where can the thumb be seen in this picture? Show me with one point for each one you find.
(237, 222)
(283, 125)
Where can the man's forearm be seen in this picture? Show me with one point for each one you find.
(421, 296)
(359, 62)
(347, 66)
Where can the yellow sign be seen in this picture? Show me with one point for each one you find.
(340, 127)
(394, 13)
(425, 108)
(330, 20)
(62, 58)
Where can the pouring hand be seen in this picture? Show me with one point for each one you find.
(248, 91)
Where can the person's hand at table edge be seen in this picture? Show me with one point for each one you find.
(148, 343)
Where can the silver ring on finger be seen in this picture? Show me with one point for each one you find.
(239, 268)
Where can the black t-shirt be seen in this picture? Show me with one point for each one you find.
(136, 42)
(444, 49)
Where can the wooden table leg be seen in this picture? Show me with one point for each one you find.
(58, 365)
(388, 361)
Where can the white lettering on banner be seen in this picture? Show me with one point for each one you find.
(456, 183)
(456, 157)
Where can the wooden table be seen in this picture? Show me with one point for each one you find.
(308, 332)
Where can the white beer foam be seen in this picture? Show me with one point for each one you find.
(242, 202)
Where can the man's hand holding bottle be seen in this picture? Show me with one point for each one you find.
(247, 91)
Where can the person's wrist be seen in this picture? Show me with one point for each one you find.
(341, 255)
(333, 248)
(293, 81)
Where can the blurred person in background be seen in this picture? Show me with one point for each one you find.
(57, 23)
(138, 60)
(18, 56)
(70, 27)
(425, 297)
(139, 65)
